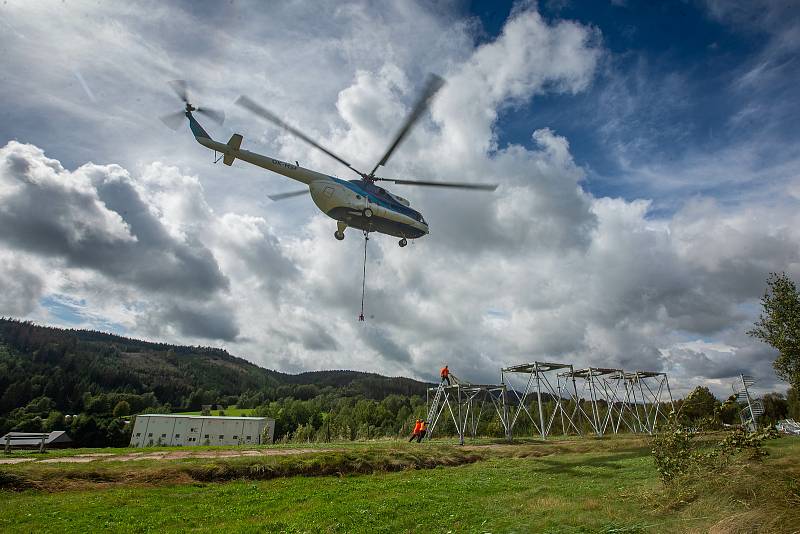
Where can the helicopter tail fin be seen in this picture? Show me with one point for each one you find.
(234, 143)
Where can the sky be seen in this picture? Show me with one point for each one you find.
(647, 156)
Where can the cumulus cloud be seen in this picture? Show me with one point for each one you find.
(21, 286)
(96, 218)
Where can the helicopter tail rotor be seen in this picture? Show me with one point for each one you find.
(181, 90)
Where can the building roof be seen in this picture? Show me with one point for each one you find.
(32, 438)
(224, 417)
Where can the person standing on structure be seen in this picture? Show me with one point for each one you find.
(422, 430)
(445, 374)
(415, 433)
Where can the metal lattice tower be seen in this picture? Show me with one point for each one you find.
(609, 399)
(648, 391)
(755, 408)
(553, 381)
(466, 404)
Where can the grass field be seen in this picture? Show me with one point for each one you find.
(585, 485)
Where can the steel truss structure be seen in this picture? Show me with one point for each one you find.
(755, 408)
(607, 396)
(555, 381)
(466, 403)
(653, 393)
(595, 399)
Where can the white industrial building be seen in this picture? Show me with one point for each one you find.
(186, 430)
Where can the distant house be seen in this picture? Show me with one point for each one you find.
(31, 440)
(188, 430)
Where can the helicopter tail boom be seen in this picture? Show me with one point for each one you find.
(231, 151)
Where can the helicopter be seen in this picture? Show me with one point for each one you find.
(359, 203)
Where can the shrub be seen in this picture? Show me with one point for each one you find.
(675, 453)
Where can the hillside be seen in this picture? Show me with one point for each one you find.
(46, 370)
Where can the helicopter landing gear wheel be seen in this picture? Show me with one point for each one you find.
(367, 213)
(403, 242)
(338, 235)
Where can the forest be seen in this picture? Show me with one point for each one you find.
(90, 384)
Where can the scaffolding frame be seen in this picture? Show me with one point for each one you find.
(606, 387)
(466, 404)
(538, 382)
(653, 388)
(616, 399)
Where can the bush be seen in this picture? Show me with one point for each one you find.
(675, 453)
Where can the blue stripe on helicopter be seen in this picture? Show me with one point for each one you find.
(399, 208)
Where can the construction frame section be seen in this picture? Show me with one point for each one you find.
(557, 383)
(466, 403)
(593, 400)
(547, 398)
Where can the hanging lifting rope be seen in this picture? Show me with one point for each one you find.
(364, 279)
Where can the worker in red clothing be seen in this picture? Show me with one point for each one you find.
(415, 432)
(422, 430)
(445, 374)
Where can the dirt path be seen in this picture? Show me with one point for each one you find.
(162, 455)
(5, 461)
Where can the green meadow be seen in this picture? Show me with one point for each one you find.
(607, 485)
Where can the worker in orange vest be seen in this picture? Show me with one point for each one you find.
(445, 374)
(422, 430)
(415, 433)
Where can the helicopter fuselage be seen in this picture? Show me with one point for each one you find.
(357, 203)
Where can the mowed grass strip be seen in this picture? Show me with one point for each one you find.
(69, 477)
(568, 493)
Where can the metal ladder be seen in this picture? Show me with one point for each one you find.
(433, 411)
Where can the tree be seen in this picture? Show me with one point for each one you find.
(122, 409)
(775, 407)
(54, 421)
(793, 401)
(699, 403)
(779, 326)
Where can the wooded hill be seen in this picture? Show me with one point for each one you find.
(46, 371)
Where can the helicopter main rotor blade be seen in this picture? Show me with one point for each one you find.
(179, 86)
(290, 194)
(249, 104)
(173, 120)
(431, 88)
(213, 114)
(454, 185)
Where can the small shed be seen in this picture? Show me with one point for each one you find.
(32, 440)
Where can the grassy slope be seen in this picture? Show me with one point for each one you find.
(611, 487)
